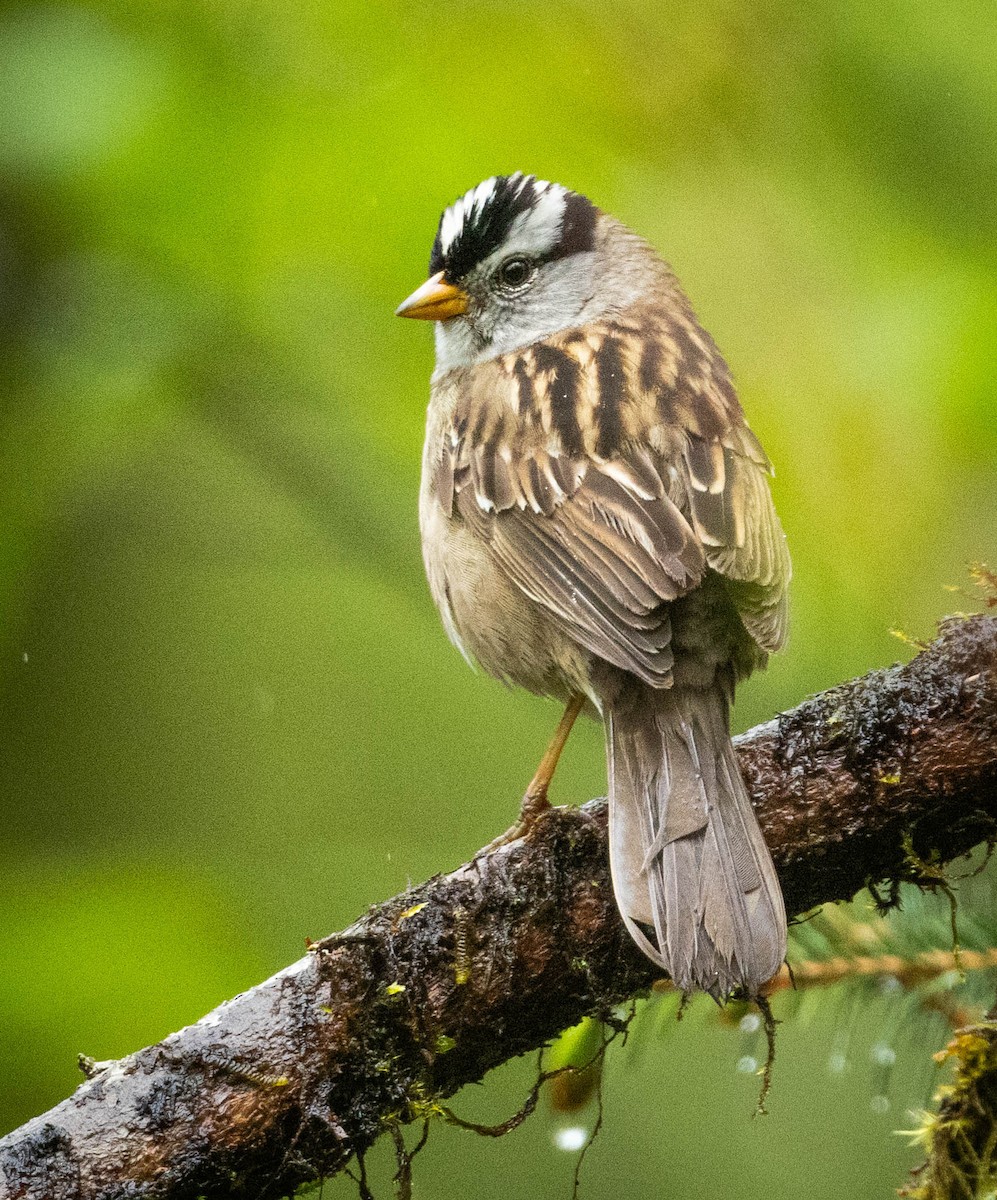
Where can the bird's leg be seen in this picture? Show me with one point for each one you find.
(535, 802)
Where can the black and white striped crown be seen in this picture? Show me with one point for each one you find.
(544, 218)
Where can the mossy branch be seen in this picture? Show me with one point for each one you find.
(866, 783)
(961, 1137)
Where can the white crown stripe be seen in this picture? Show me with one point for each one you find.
(538, 230)
(541, 223)
(463, 210)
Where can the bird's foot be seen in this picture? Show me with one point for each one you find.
(532, 808)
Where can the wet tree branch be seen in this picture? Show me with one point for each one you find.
(432, 989)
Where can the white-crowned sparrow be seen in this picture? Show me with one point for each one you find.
(597, 526)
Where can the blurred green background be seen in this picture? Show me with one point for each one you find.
(228, 715)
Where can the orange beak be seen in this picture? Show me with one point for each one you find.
(436, 300)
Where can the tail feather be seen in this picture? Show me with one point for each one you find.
(689, 861)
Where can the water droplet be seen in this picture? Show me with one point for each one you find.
(837, 1062)
(880, 1104)
(750, 1023)
(573, 1137)
(889, 984)
(883, 1055)
(747, 1065)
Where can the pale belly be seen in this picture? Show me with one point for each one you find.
(489, 619)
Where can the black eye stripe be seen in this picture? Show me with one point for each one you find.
(577, 228)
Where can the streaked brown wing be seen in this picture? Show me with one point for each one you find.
(603, 560)
(731, 510)
(601, 503)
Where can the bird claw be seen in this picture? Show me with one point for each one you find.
(532, 808)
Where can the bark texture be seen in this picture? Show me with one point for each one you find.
(427, 992)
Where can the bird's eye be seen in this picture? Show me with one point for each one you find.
(514, 272)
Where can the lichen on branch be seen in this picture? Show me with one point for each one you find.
(378, 1025)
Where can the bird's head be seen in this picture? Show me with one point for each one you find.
(515, 259)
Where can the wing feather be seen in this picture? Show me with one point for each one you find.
(605, 532)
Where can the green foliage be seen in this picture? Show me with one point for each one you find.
(228, 716)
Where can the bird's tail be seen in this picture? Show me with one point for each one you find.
(689, 861)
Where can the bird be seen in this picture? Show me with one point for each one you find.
(597, 526)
